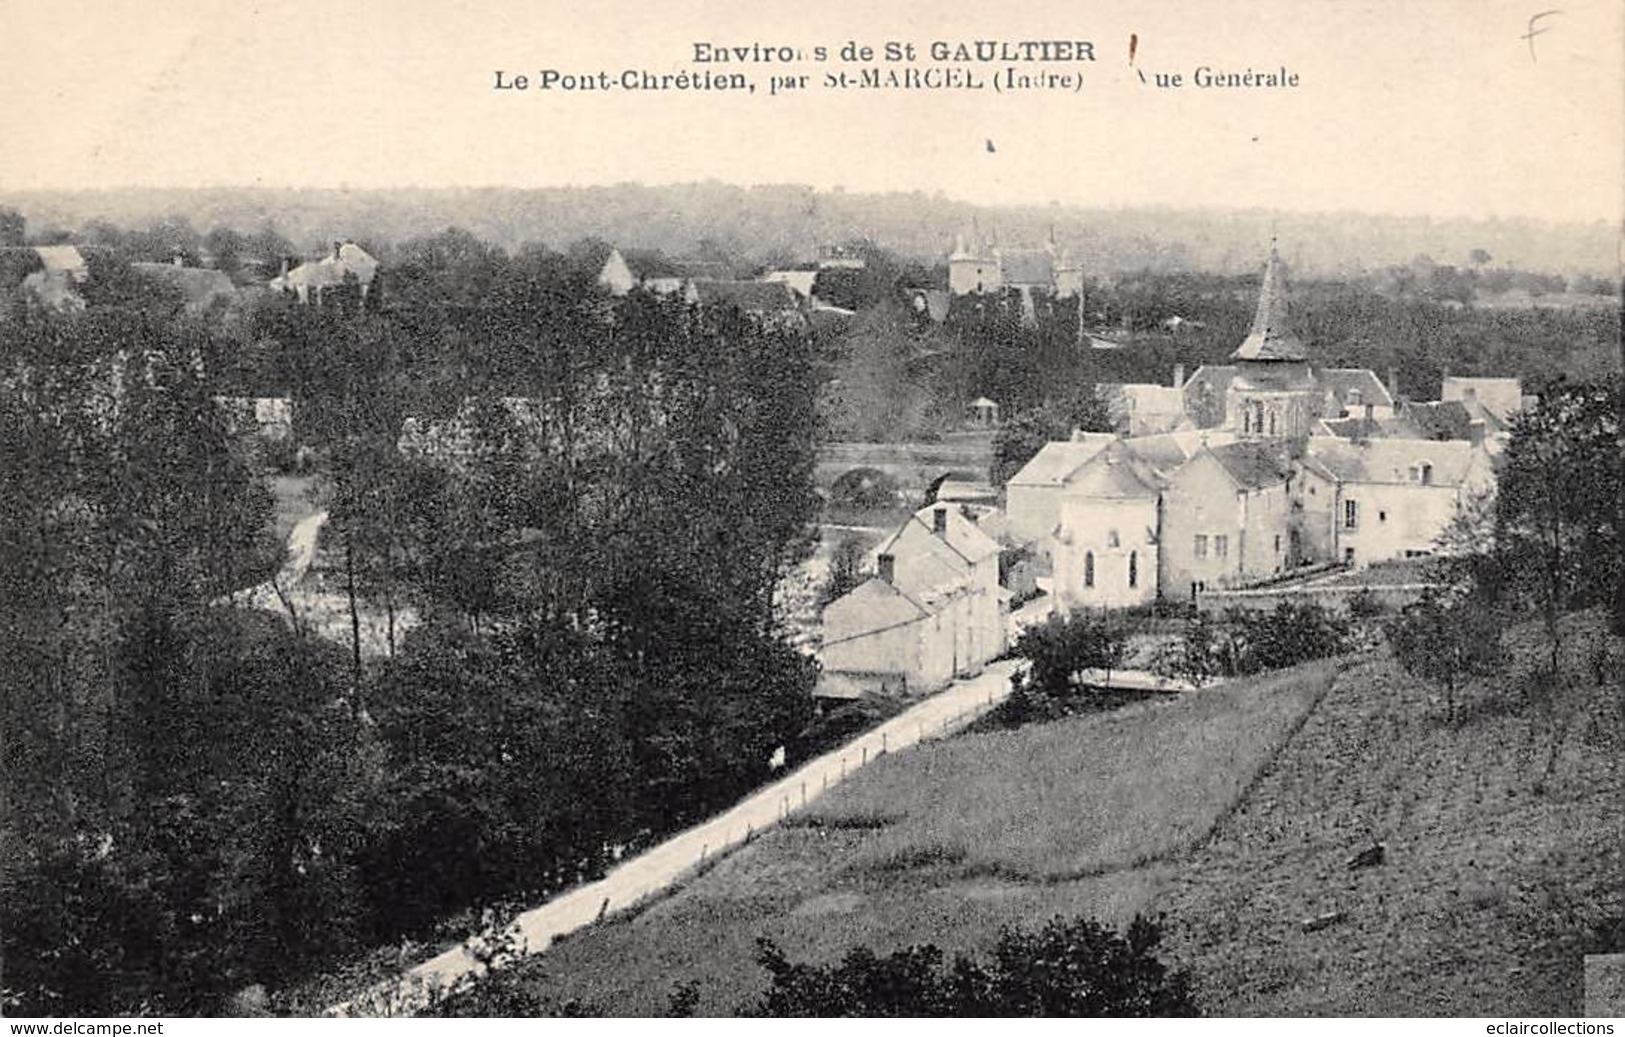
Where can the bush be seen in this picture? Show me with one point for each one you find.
(1293, 633)
(1364, 604)
(1068, 968)
(1057, 650)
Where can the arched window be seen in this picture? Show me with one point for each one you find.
(1088, 568)
(1134, 568)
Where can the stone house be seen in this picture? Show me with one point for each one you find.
(932, 612)
(1227, 519)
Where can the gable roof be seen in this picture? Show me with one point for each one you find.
(1138, 406)
(1055, 461)
(962, 537)
(1453, 462)
(1442, 419)
(1500, 397)
(1271, 337)
(1341, 381)
(61, 259)
(1164, 452)
(1252, 464)
(1114, 474)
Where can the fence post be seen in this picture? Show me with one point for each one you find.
(803, 792)
(882, 741)
(865, 755)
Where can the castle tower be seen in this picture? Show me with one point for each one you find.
(972, 270)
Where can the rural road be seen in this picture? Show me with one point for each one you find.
(665, 865)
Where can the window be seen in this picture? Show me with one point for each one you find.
(1348, 556)
(1201, 545)
(1272, 423)
(1258, 416)
(1425, 472)
(1354, 398)
(1221, 546)
(1112, 539)
(1134, 568)
(1088, 568)
(1277, 543)
(1351, 514)
(1382, 516)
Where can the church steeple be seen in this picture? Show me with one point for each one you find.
(1271, 337)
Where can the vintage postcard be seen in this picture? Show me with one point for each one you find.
(518, 509)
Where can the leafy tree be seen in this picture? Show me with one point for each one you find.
(1021, 438)
(1557, 518)
(1444, 641)
(1072, 968)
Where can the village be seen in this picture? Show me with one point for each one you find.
(1050, 546)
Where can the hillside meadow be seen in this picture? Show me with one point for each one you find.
(1234, 811)
(950, 841)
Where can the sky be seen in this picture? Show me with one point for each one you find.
(1425, 107)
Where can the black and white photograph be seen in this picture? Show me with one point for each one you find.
(802, 509)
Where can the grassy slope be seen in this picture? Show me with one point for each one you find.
(950, 841)
(1490, 890)
(1217, 808)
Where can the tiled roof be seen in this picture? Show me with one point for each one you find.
(1501, 397)
(1113, 474)
(61, 258)
(1253, 464)
(1444, 419)
(1166, 451)
(1052, 464)
(1340, 381)
(1453, 462)
(967, 542)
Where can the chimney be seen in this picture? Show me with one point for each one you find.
(1475, 432)
(1179, 376)
(887, 565)
(1393, 383)
(939, 522)
(284, 266)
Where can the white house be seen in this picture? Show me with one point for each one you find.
(1105, 552)
(933, 611)
(1387, 498)
(310, 281)
(1033, 495)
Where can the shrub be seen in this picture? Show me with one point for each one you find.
(1074, 968)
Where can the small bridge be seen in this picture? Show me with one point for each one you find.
(914, 465)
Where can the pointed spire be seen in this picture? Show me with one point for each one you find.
(1271, 337)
